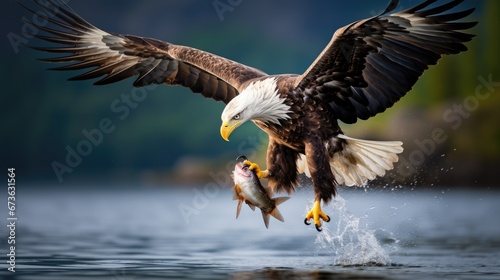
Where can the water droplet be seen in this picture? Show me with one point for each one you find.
(350, 241)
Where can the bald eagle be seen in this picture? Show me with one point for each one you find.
(367, 67)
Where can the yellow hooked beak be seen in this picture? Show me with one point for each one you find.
(227, 128)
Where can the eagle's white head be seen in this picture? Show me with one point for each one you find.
(259, 101)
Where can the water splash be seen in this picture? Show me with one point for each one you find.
(350, 242)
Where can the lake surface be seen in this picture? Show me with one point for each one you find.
(155, 233)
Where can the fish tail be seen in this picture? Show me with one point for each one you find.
(276, 213)
(279, 200)
(265, 216)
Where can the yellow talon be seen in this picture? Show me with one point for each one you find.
(256, 168)
(317, 215)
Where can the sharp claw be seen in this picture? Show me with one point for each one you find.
(317, 215)
(244, 158)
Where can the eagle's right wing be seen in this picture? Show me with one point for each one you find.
(117, 57)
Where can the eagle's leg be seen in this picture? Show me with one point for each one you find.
(317, 215)
(256, 168)
(323, 180)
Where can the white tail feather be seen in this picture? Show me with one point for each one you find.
(360, 160)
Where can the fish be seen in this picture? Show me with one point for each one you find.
(248, 188)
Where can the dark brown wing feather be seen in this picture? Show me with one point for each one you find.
(370, 64)
(115, 57)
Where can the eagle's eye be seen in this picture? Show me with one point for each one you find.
(236, 117)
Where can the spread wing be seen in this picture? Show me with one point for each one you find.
(370, 64)
(114, 57)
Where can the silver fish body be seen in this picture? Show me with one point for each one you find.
(248, 189)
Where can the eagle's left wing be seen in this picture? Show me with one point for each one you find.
(114, 57)
(370, 64)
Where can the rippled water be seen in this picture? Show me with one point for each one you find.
(153, 233)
